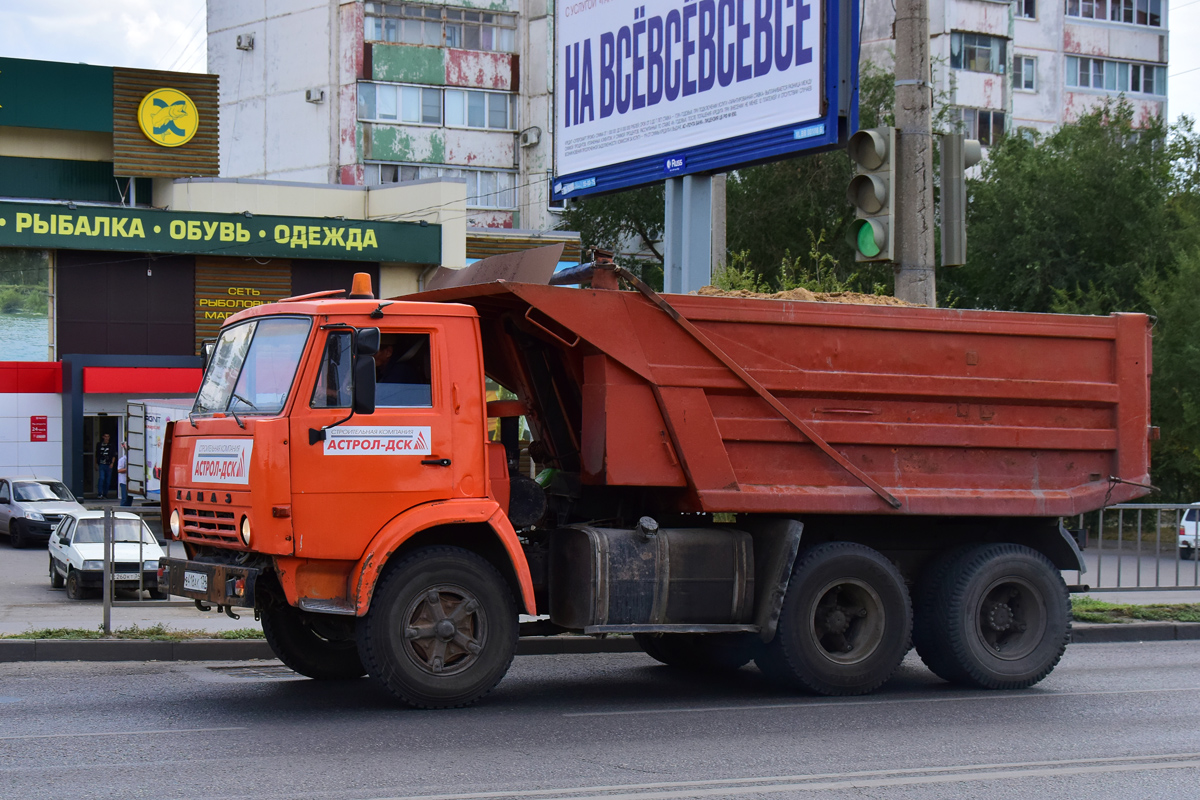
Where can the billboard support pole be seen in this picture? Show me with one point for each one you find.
(687, 234)
(914, 216)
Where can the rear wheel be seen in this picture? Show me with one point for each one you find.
(317, 648)
(710, 652)
(999, 617)
(845, 624)
(56, 580)
(442, 629)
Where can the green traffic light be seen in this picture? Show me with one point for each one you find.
(866, 240)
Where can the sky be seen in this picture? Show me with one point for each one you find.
(169, 34)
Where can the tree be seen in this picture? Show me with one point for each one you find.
(1069, 222)
(776, 213)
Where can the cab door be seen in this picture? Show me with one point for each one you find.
(351, 474)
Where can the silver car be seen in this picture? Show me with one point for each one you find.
(30, 508)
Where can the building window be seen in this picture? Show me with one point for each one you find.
(1026, 9)
(983, 124)
(385, 102)
(474, 109)
(977, 52)
(486, 188)
(1116, 76)
(480, 30)
(408, 23)
(1025, 73)
(1132, 12)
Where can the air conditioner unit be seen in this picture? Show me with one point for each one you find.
(530, 136)
(245, 41)
(314, 95)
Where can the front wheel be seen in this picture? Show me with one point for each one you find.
(75, 590)
(998, 616)
(56, 580)
(16, 534)
(310, 645)
(845, 625)
(442, 628)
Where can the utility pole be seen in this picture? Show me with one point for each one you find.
(915, 281)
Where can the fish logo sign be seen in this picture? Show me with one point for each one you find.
(168, 117)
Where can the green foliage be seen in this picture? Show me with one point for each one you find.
(628, 223)
(24, 281)
(1088, 609)
(1070, 222)
(1175, 384)
(155, 633)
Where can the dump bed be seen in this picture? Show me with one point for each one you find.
(898, 410)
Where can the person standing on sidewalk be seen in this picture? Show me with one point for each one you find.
(123, 476)
(105, 458)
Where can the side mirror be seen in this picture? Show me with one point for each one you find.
(206, 351)
(364, 380)
(366, 342)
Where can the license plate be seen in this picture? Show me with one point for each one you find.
(195, 581)
(125, 576)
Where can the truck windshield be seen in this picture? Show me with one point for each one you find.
(252, 366)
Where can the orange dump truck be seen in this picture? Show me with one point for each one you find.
(807, 485)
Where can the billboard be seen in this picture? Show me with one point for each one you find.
(661, 88)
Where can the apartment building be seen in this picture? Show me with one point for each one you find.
(375, 93)
(1030, 65)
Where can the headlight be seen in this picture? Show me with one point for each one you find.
(89, 566)
(175, 524)
(150, 566)
(34, 515)
(246, 530)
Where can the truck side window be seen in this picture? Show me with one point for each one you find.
(403, 371)
(333, 381)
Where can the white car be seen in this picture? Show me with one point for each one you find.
(77, 554)
(30, 508)
(1188, 544)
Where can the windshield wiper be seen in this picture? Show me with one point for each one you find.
(237, 396)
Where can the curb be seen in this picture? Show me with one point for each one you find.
(12, 650)
(1094, 632)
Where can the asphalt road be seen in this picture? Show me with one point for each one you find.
(1113, 721)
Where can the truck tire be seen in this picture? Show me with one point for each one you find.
(442, 628)
(928, 619)
(712, 652)
(297, 640)
(845, 625)
(999, 617)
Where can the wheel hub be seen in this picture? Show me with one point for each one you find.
(445, 630)
(847, 622)
(1000, 616)
(1011, 618)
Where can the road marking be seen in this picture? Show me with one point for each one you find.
(843, 702)
(847, 780)
(115, 733)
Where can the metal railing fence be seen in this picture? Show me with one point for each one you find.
(1136, 547)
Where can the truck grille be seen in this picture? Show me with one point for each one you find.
(210, 525)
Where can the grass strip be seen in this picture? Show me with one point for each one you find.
(153, 633)
(1089, 609)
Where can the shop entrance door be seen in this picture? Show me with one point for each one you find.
(94, 426)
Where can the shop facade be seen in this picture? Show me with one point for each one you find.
(121, 252)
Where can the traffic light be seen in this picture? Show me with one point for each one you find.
(958, 153)
(872, 192)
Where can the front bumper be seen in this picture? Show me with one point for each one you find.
(217, 584)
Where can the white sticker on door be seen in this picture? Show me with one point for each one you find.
(222, 461)
(346, 441)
